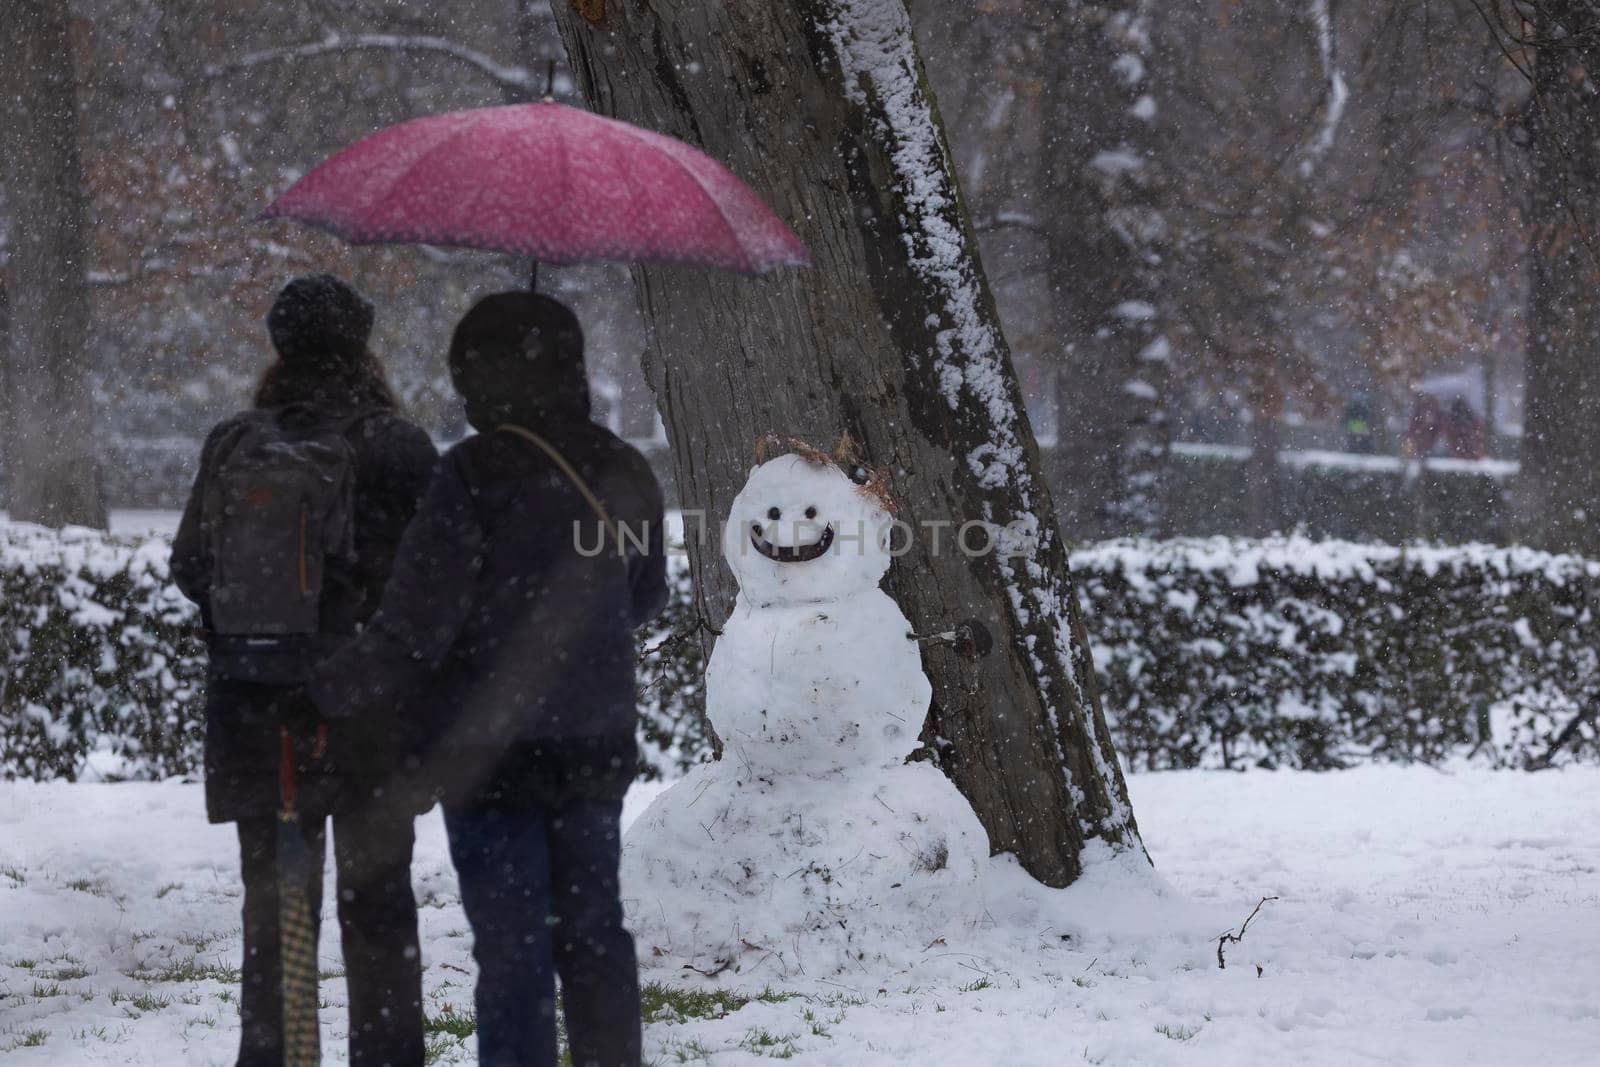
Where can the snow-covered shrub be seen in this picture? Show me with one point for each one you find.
(104, 674)
(1232, 652)
(1213, 653)
(1290, 652)
(672, 667)
(102, 670)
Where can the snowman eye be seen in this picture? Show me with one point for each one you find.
(860, 475)
(811, 513)
(774, 514)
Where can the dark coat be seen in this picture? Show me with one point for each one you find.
(516, 645)
(394, 462)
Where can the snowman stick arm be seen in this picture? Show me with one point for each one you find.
(971, 639)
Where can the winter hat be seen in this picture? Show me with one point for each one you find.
(519, 356)
(319, 315)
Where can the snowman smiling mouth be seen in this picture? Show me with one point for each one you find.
(791, 553)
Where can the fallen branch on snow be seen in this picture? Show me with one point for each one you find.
(1222, 964)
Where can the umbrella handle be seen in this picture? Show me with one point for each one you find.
(288, 780)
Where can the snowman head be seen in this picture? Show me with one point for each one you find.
(802, 530)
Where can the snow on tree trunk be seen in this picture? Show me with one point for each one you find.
(1104, 228)
(1559, 490)
(50, 464)
(822, 105)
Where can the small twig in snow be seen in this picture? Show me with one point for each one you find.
(1222, 964)
(721, 965)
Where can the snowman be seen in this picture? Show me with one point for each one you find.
(812, 846)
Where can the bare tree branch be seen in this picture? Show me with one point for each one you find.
(513, 77)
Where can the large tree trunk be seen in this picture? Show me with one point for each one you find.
(1104, 229)
(50, 441)
(822, 106)
(1559, 489)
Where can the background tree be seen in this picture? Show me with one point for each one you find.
(50, 432)
(1556, 45)
(1051, 107)
(823, 106)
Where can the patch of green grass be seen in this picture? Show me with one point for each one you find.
(691, 1051)
(69, 973)
(15, 876)
(330, 975)
(458, 1025)
(161, 893)
(188, 970)
(976, 986)
(26, 965)
(1177, 1032)
(841, 1000)
(95, 887)
(197, 942)
(437, 1045)
(145, 1002)
(42, 990)
(765, 1043)
(818, 1029)
(27, 1039)
(663, 1003)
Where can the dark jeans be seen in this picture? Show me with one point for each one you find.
(540, 890)
(377, 928)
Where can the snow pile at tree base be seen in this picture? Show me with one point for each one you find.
(846, 873)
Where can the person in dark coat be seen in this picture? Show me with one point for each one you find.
(514, 619)
(325, 376)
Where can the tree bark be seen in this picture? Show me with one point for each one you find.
(51, 466)
(822, 105)
(1559, 488)
(1103, 228)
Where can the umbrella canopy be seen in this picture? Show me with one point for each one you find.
(547, 181)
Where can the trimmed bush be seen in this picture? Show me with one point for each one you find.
(103, 673)
(673, 733)
(1228, 652)
(104, 676)
(1210, 653)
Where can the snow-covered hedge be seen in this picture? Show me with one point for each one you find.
(1212, 653)
(1290, 652)
(673, 735)
(102, 672)
(104, 676)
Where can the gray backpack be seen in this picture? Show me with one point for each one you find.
(279, 508)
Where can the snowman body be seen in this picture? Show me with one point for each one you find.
(811, 845)
(814, 687)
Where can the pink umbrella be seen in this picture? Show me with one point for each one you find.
(546, 181)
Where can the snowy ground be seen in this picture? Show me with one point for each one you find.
(1423, 917)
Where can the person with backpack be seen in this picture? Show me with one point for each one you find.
(519, 637)
(285, 544)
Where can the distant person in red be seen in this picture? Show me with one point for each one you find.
(1433, 429)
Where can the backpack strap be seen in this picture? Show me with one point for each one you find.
(572, 476)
